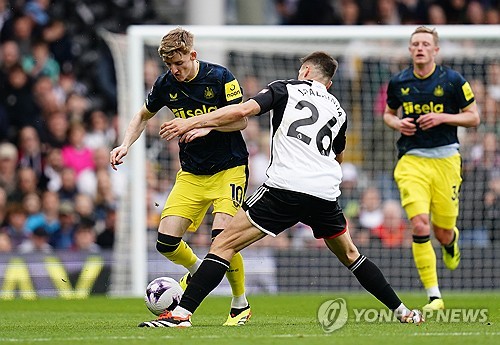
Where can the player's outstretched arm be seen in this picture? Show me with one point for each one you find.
(216, 119)
(134, 130)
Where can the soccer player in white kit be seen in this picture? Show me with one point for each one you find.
(308, 127)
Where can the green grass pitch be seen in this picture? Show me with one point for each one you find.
(282, 319)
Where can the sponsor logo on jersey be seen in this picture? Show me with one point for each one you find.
(233, 90)
(173, 97)
(467, 91)
(410, 108)
(185, 113)
(405, 91)
(438, 91)
(209, 93)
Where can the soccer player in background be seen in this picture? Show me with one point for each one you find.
(214, 169)
(434, 101)
(308, 141)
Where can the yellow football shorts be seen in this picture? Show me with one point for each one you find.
(430, 186)
(192, 195)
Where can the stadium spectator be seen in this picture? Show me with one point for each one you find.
(436, 14)
(84, 206)
(393, 231)
(62, 238)
(349, 12)
(492, 16)
(106, 238)
(296, 190)
(104, 198)
(9, 57)
(68, 190)
(37, 242)
(152, 70)
(387, 12)
(428, 172)
(51, 177)
(475, 13)
(27, 182)
(19, 28)
(69, 84)
(40, 63)
(214, 168)
(55, 131)
(77, 106)
(75, 154)
(84, 239)
(30, 150)
(60, 43)
(48, 217)
(32, 203)
(99, 132)
(19, 103)
(49, 96)
(370, 213)
(15, 224)
(8, 167)
(456, 11)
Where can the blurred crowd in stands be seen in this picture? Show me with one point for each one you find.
(387, 12)
(58, 122)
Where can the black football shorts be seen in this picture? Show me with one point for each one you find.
(274, 210)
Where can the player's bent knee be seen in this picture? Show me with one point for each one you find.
(167, 243)
(420, 227)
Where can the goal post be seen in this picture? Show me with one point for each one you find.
(368, 55)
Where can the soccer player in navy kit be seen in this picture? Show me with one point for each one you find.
(435, 100)
(214, 168)
(308, 141)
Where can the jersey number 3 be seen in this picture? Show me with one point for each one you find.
(324, 137)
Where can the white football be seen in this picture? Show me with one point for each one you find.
(163, 293)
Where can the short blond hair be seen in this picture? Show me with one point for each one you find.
(177, 41)
(426, 30)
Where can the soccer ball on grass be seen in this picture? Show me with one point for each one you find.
(163, 293)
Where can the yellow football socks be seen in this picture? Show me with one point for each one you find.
(425, 261)
(183, 255)
(236, 275)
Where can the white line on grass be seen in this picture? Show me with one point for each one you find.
(44, 340)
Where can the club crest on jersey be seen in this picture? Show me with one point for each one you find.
(405, 91)
(209, 93)
(438, 91)
(173, 97)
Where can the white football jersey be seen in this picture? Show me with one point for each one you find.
(308, 128)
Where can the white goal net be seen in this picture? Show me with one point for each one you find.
(368, 57)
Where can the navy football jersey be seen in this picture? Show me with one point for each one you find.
(308, 130)
(443, 91)
(213, 87)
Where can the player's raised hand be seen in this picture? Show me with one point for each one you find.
(116, 156)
